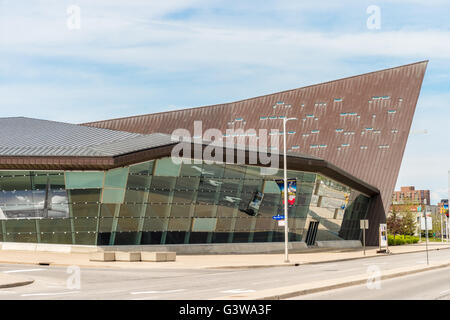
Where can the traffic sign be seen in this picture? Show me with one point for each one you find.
(364, 223)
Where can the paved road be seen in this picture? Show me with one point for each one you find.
(429, 285)
(108, 283)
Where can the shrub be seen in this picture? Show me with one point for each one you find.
(401, 239)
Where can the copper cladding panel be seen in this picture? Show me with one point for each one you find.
(374, 165)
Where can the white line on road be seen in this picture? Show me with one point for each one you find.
(48, 294)
(237, 291)
(156, 291)
(8, 292)
(23, 270)
(445, 291)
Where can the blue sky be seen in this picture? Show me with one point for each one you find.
(135, 57)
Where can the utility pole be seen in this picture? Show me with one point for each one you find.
(426, 229)
(286, 229)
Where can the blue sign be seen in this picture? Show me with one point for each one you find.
(278, 217)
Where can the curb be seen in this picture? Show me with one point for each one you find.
(300, 292)
(296, 264)
(349, 283)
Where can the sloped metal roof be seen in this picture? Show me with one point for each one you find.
(20, 136)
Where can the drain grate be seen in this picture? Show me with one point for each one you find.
(44, 263)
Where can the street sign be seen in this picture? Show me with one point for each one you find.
(383, 235)
(428, 225)
(364, 223)
(281, 223)
(278, 217)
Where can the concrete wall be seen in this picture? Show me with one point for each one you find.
(47, 247)
(225, 248)
(339, 244)
(217, 248)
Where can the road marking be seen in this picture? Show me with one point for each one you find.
(23, 270)
(237, 291)
(327, 265)
(445, 291)
(48, 294)
(8, 292)
(370, 264)
(156, 291)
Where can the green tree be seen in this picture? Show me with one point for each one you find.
(394, 223)
(409, 223)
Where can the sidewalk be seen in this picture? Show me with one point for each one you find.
(209, 261)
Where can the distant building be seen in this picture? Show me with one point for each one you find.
(409, 195)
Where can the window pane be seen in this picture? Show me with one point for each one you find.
(84, 180)
(116, 178)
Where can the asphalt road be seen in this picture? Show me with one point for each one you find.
(429, 285)
(108, 283)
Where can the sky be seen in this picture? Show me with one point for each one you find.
(89, 60)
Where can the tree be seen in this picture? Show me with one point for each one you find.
(394, 223)
(409, 223)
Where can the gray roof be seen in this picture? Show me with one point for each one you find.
(20, 136)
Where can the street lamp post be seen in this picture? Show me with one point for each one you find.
(286, 229)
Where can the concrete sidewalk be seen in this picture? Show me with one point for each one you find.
(209, 261)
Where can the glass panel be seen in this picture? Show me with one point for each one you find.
(20, 225)
(156, 210)
(180, 210)
(144, 168)
(15, 180)
(105, 224)
(116, 178)
(21, 237)
(85, 224)
(56, 237)
(51, 225)
(107, 210)
(87, 238)
(131, 210)
(167, 168)
(113, 195)
(84, 179)
(204, 224)
(179, 224)
(127, 224)
(155, 224)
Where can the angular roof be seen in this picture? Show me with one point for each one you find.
(20, 136)
(34, 144)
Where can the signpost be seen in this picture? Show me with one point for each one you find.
(364, 223)
(280, 219)
(425, 220)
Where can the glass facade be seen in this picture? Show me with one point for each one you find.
(161, 202)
